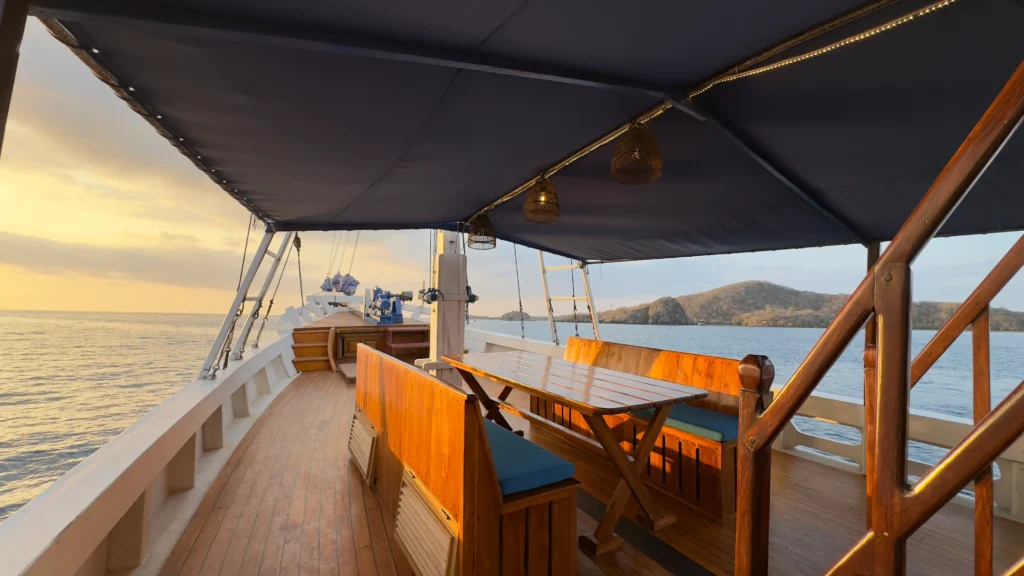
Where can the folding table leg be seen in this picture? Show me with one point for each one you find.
(492, 408)
(604, 538)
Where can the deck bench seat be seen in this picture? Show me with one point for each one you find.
(700, 422)
(694, 457)
(464, 496)
(522, 465)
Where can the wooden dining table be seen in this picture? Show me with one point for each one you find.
(594, 393)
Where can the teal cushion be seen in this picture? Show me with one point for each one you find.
(699, 421)
(522, 465)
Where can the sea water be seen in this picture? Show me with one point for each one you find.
(69, 382)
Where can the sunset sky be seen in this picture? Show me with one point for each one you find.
(100, 213)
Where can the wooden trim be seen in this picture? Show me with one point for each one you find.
(889, 475)
(975, 304)
(983, 495)
(332, 343)
(870, 381)
(521, 500)
(754, 474)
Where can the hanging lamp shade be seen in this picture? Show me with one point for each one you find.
(481, 234)
(637, 158)
(541, 203)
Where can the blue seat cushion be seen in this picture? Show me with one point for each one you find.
(522, 465)
(700, 422)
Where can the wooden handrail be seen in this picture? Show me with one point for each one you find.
(753, 466)
(997, 279)
(332, 343)
(951, 186)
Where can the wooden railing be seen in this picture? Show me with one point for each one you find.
(895, 511)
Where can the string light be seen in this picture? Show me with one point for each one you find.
(815, 53)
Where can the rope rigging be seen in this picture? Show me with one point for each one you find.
(575, 318)
(346, 283)
(270, 306)
(519, 291)
(225, 349)
(298, 257)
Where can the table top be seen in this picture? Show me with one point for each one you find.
(588, 389)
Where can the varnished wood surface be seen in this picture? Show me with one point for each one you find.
(718, 376)
(589, 389)
(288, 501)
(817, 514)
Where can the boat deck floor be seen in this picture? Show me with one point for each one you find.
(289, 502)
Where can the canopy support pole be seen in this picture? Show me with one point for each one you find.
(255, 313)
(240, 297)
(448, 312)
(13, 14)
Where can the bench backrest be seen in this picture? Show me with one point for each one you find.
(719, 376)
(436, 431)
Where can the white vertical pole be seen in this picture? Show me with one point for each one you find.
(547, 297)
(448, 313)
(590, 300)
(243, 289)
(244, 336)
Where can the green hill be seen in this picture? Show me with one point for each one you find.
(766, 304)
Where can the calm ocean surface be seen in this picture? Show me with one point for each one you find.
(56, 409)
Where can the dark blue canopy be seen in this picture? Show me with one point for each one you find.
(407, 114)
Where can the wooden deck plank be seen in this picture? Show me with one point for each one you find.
(186, 542)
(236, 484)
(270, 562)
(256, 542)
(290, 487)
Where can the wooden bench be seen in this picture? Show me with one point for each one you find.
(466, 496)
(694, 458)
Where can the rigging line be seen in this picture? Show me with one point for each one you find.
(341, 261)
(334, 252)
(575, 319)
(298, 256)
(519, 291)
(245, 250)
(352, 260)
(284, 266)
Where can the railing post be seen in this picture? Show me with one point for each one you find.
(870, 379)
(13, 14)
(754, 471)
(983, 494)
(888, 475)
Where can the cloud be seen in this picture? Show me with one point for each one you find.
(187, 266)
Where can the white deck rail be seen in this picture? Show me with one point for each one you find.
(125, 506)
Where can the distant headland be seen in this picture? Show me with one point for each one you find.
(757, 303)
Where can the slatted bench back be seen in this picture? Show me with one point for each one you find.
(719, 376)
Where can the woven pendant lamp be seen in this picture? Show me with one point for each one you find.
(541, 203)
(637, 158)
(481, 234)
